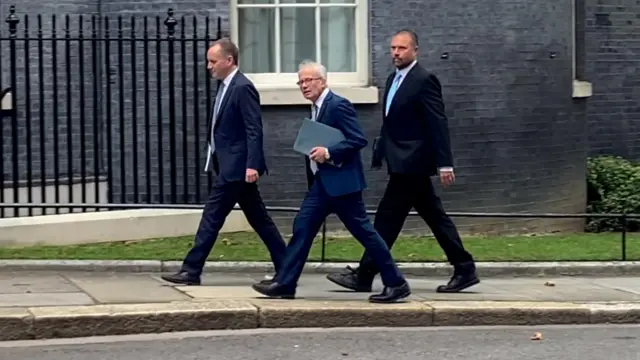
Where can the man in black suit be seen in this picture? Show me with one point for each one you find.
(414, 141)
(337, 180)
(237, 155)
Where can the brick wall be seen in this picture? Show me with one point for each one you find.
(519, 139)
(612, 60)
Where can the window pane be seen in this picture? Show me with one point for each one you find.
(298, 37)
(297, 1)
(338, 1)
(338, 38)
(256, 40)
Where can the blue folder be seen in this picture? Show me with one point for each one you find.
(313, 133)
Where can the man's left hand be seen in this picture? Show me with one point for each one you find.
(447, 177)
(252, 176)
(318, 154)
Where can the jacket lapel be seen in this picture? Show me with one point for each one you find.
(225, 99)
(325, 103)
(405, 86)
(386, 94)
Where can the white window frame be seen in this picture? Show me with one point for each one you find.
(276, 80)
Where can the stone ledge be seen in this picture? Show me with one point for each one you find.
(108, 226)
(292, 96)
(316, 313)
(461, 313)
(121, 319)
(485, 269)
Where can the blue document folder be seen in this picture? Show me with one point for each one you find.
(313, 133)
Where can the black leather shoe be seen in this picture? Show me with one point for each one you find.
(459, 282)
(391, 294)
(274, 290)
(350, 279)
(182, 278)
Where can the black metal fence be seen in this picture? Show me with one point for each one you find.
(100, 113)
(103, 110)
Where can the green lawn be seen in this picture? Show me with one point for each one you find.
(248, 247)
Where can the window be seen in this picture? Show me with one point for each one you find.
(274, 36)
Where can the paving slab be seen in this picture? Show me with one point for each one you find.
(126, 288)
(34, 282)
(221, 279)
(317, 287)
(45, 299)
(629, 285)
(219, 292)
(564, 289)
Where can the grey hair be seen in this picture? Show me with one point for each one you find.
(322, 71)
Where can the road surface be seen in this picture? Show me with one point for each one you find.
(470, 343)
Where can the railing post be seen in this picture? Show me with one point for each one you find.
(623, 220)
(171, 23)
(13, 21)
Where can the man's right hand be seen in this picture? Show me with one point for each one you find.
(447, 177)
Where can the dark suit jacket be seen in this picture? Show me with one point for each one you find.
(238, 132)
(346, 174)
(414, 138)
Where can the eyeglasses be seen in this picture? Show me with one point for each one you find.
(307, 81)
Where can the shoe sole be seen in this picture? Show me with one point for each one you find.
(356, 289)
(395, 300)
(460, 288)
(284, 297)
(188, 283)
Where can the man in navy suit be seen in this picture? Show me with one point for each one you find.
(414, 141)
(337, 181)
(236, 153)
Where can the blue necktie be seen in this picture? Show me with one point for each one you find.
(392, 92)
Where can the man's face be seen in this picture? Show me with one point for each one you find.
(311, 83)
(403, 50)
(218, 64)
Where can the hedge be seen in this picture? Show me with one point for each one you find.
(613, 187)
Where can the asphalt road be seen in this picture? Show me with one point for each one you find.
(499, 343)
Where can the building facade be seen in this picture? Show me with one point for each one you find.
(531, 89)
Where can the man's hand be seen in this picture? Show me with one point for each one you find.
(318, 154)
(447, 177)
(252, 176)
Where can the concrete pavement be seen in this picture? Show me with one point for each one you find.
(72, 304)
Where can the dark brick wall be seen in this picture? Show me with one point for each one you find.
(612, 58)
(518, 141)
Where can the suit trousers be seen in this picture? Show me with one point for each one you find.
(350, 209)
(222, 199)
(406, 191)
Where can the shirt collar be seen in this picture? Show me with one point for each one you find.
(229, 77)
(321, 98)
(406, 70)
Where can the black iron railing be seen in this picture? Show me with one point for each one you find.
(623, 218)
(88, 102)
(95, 102)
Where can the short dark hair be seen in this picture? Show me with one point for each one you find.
(228, 48)
(413, 35)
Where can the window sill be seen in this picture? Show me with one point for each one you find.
(582, 89)
(293, 96)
